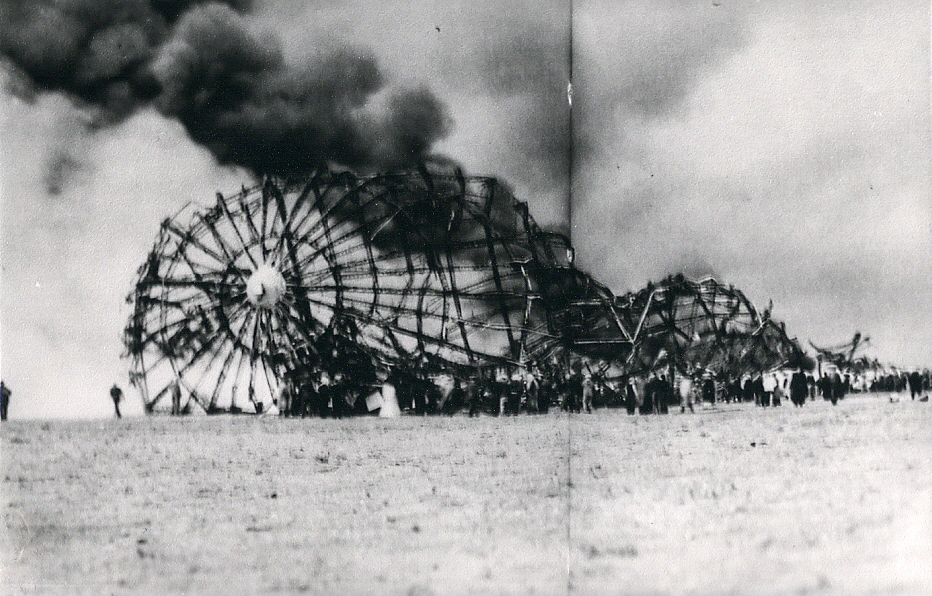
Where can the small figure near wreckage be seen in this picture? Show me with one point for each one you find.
(630, 388)
(532, 388)
(779, 391)
(389, 408)
(588, 391)
(708, 389)
(664, 395)
(686, 394)
(915, 384)
(824, 385)
(116, 394)
(838, 389)
(573, 397)
(176, 397)
(799, 388)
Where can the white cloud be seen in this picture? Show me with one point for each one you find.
(795, 166)
(69, 258)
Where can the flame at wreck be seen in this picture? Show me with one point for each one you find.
(427, 269)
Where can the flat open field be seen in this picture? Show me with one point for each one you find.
(732, 499)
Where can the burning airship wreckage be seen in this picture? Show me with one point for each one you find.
(428, 271)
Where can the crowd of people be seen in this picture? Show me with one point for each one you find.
(575, 388)
(538, 387)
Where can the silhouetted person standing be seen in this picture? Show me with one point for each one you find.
(915, 387)
(4, 400)
(574, 389)
(664, 396)
(759, 392)
(588, 391)
(837, 389)
(631, 396)
(116, 394)
(825, 386)
(649, 396)
(176, 398)
(799, 388)
(708, 390)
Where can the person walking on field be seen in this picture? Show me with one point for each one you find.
(389, 407)
(825, 386)
(116, 394)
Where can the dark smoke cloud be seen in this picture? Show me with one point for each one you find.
(235, 94)
(95, 50)
(227, 83)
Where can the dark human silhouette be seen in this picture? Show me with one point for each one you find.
(825, 386)
(4, 399)
(708, 390)
(631, 397)
(799, 388)
(664, 396)
(838, 389)
(176, 398)
(651, 391)
(574, 389)
(915, 385)
(761, 397)
(747, 392)
(116, 394)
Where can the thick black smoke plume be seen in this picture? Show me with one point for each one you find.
(229, 85)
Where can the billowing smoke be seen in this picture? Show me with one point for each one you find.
(228, 83)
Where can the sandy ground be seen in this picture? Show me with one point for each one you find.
(730, 500)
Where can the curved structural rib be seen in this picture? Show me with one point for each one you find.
(353, 274)
(391, 268)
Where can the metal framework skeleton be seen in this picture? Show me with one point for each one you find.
(843, 356)
(359, 273)
(703, 326)
(374, 270)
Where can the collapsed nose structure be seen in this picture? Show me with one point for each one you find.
(265, 287)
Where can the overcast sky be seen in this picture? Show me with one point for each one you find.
(783, 147)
